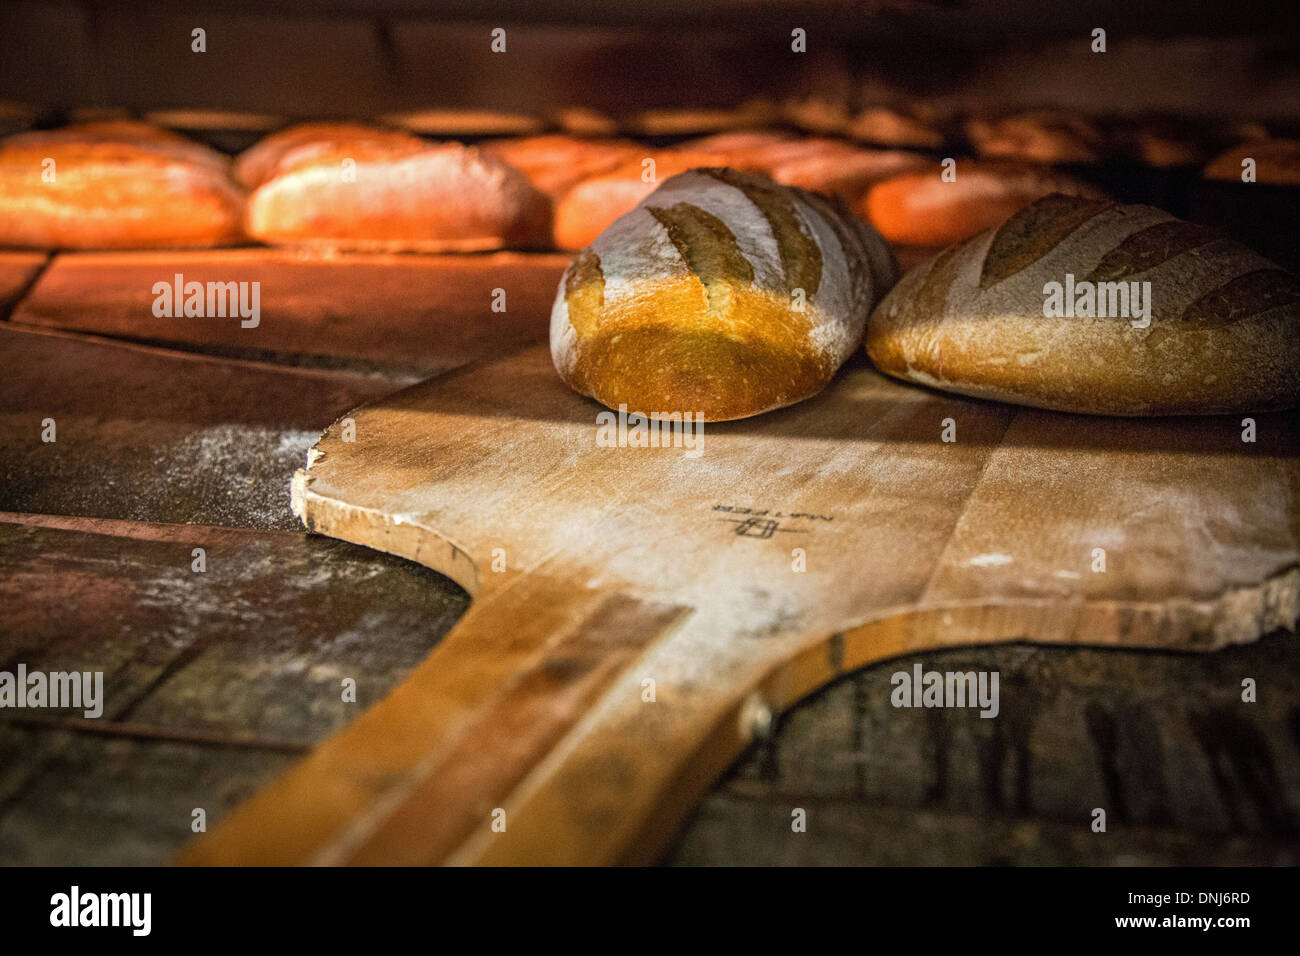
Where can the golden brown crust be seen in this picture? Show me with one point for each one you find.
(818, 114)
(374, 195)
(885, 126)
(921, 208)
(590, 206)
(131, 131)
(556, 163)
(255, 164)
(456, 123)
(1159, 141)
(104, 194)
(582, 121)
(693, 121)
(1039, 136)
(815, 163)
(1223, 333)
(722, 293)
(215, 120)
(686, 362)
(1277, 162)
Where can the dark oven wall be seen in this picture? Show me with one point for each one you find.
(346, 57)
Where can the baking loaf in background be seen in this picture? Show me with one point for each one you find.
(255, 164)
(556, 163)
(115, 185)
(816, 163)
(589, 207)
(135, 132)
(1161, 142)
(403, 196)
(921, 208)
(691, 121)
(1277, 162)
(1038, 136)
(455, 123)
(1223, 333)
(721, 293)
(912, 127)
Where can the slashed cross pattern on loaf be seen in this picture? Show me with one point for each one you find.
(617, 570)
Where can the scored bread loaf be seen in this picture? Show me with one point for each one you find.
(722, 293)
(1047, 310)
(391, 196)
(115, 185)
(922, 208)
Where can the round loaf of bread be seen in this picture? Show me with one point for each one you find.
(1089, 306)
(722, 293)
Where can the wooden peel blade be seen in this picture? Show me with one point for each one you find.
(639, 614)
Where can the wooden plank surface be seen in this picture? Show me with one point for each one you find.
(415, 314)
(213, 681)
(17, 271)
(1188, 772)
(910, 544)
(155, 435)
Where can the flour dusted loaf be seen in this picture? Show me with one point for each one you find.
(115, 185)
(395, 196)
(1223, 333)
(721, 293)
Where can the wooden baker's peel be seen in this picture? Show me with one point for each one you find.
(624, 566)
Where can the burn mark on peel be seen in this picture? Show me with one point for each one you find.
(1148, 248)
(708, 247)
(1033, 232)
(584, 291)
(801, 256)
